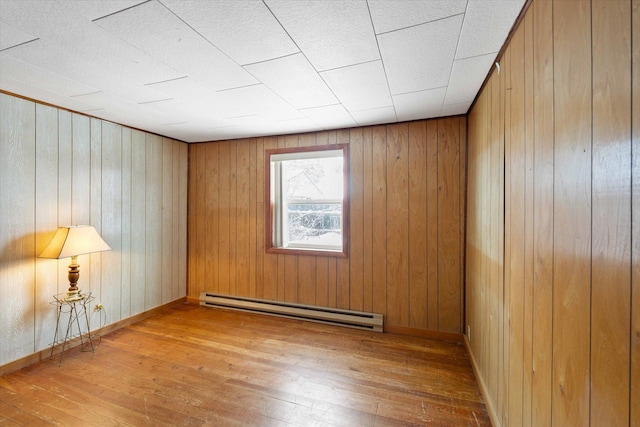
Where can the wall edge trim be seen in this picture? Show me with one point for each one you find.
(484, 391)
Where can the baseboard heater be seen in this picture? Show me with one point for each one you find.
(330, 316)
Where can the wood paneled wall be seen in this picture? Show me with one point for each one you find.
(553, 276)
(406, 225)
(62, 168)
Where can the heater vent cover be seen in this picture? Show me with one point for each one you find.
(330, 316)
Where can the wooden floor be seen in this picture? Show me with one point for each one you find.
(205, 366)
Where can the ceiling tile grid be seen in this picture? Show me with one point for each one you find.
(12, 36)
(390, 16)
(420, 57)
(331, 34)
(360, 87)
(246, 31)
(295, 80)
(199, 70)
(419, 104)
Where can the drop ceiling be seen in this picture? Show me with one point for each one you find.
(199, 70)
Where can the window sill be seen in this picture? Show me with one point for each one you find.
(307, 252)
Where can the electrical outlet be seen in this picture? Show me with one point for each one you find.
(98, 307)
(469, 332)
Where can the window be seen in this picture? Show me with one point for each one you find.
(307, 211)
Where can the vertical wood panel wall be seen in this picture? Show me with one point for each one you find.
(552, 246)
(407, 225)
(60, 168)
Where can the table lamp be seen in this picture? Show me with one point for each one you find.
(71, 241)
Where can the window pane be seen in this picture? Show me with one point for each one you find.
(317, 225)
(313, 179)
(307, 181)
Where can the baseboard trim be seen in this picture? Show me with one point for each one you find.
(495, 421)
(44, 354)
(424, 333)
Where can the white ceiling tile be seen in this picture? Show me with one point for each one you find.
(181, 87)
(420, 57)
(309, 64)
(188, 135)
(30, 15)
(279, 111)
(393, 15)
(184, 133)
(258, 100)
(246, 121)
(375, 116)
(467, 77)
(330, 117)
(104, 100)
(295, 80)
(292, 126)
(13, 68)
(486, 26)
(244, 126)
(417, 105)
(47, 56)
(41, 93)
(173, 111)
(152, 113)
(132, 117)
(199, 97)
(251, 126)
(150, 116)
(244, 30)
(360, 87)
(153, 29)
(232, 132)
(11, 36)
(331, 34)
(198, 124)
(94, 9)
(125, 88)
(51, 22)
(118, 58)
(455, 109)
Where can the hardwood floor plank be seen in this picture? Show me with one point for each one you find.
(196, 365)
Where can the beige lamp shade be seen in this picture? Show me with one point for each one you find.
(73, 241)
